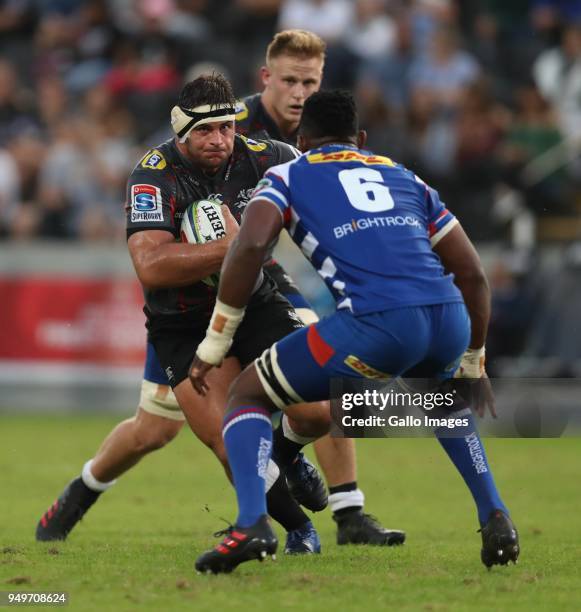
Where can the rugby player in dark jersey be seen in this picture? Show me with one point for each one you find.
(293, 71)
(205, 160)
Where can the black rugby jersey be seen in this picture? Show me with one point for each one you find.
(253, 121)
(161, 187)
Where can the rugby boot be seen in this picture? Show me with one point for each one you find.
(303, 541)
(306, 484)
(240, 544)
(356, 527)
(499, 540)
(58, 521)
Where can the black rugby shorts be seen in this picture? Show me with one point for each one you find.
(264, 324)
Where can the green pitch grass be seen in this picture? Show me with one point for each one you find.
(136, 547)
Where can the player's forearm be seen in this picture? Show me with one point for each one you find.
(459, 257)
(240, 270)
(476, 293)
(178, 265)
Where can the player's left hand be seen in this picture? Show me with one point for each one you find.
(481, 393)
(197, 375)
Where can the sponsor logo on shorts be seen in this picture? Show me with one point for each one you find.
(366, 223)
(146, 203)
(364, 369)
(154, 160)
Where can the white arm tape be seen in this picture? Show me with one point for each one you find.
(223, 325)
(472, 364)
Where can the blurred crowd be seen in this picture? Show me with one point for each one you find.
(482, 98)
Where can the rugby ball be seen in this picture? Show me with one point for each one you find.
(202, 222)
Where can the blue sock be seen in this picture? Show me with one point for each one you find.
(467, 454)
(247, 433)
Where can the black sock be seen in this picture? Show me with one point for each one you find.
(87, 496)
(284, 451)
(283, 508)
(345, 488)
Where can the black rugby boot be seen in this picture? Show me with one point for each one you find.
(239, 545)
(356, 527)
(499, 540)
(58, 521)
(306, 484)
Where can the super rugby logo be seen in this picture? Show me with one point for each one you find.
(146, 203)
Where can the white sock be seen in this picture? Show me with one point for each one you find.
(272, 474)
(92, 482)
(346, 499)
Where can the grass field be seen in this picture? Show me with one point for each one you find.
(136, 547)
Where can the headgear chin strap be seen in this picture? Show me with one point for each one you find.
(184, 120)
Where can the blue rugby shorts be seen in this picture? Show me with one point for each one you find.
(417, 342)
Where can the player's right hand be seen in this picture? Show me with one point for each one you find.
(232, 227)
(197, 375)
(483, 397)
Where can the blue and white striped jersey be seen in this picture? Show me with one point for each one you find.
(366, 224)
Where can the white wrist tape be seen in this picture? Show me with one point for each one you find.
(223, 325)
(472, 364)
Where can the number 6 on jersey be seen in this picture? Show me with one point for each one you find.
(365, 189)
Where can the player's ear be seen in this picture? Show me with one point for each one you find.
(264, 75)
(361, 139)
(302, 143)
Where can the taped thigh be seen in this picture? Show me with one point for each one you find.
(160, 400)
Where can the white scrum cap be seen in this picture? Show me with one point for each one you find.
(184, 120)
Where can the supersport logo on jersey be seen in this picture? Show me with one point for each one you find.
(154, 160)
(253, 145)
(146, 203)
